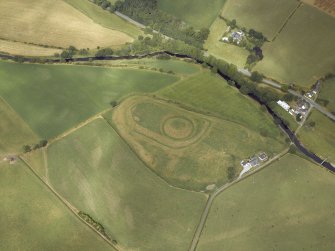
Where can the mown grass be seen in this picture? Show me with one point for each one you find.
(289, 205)
(197, 13)
(105, 18)
(97, 172)
(210, 93)
(14, 132)
(266, 16)
(52, 99)
(230, 53)
(34, 219)
(54, 23)
(199, 158)
(327, 93)
(301, 54)
(320, 138)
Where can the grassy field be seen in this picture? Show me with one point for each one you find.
(35, 219)
(97, 173)
(289, 205)
(14, 132)
(301, 52)
(105, 18)
(266, 16)
(54, 23)
(327, 93)
(209, 92)
(17, 48)
(197, 13)
(177, 66)
(230, 53)
(328, 6)
(187, 149)
(320, 139)
(52, 99)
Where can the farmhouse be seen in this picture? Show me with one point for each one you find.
(237, 36)
(284, 105)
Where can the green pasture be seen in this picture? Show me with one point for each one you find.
(14, 132)
(289, 205)
(186, 149)
(54, 98)
(197, 13)
(105, 18)
(302, 52)
(98, 173)
(266, 16)
(319, 138)
(210, 93)
(34, 219)
(228, 52)
(179, 67)
(328, 93)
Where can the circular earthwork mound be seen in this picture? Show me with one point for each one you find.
(178, 127)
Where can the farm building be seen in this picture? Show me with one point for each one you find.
(284, 105)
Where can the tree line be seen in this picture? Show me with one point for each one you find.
(148, 13)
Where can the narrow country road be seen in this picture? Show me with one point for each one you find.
(211, 198)
(274, 84)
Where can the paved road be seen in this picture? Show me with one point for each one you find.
(140, 25)
(297, 94)
(211, 198)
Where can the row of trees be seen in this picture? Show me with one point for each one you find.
(148, 13)
(29, 148)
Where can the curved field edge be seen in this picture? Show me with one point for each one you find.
(34, 218)
(52, 99)
(97, 173)
(54, 23)
(200, 159)
(287, 206)
(209, 94)
(105, 18)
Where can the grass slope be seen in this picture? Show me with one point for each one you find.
(266, 16)
(289, 205)
(52, 99)
(209, 92)
(327, 93)
(34, 219)
(105, 18)
(321, 138)
(14, 132)
(230, 53)
(302, 52)
(197, 13)
(54, 23)
(187, 149)
(97, 172)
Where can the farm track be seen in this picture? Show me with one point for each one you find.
(286, 21)
(212, 197)
(73, 209)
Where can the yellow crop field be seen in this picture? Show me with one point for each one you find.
(54, 23)
(17, 48)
